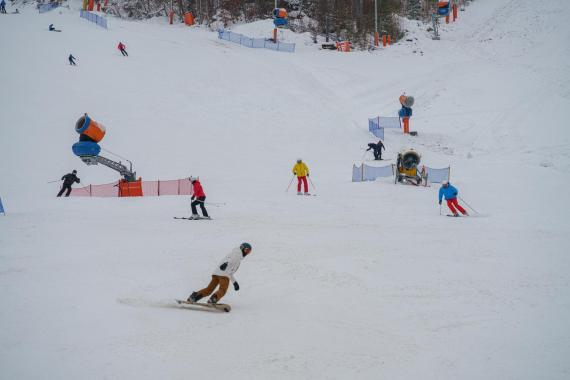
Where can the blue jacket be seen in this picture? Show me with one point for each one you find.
(449, 192)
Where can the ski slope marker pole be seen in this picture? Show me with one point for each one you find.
(467, 204)
(290, 182)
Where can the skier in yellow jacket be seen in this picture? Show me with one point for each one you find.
(302, 172)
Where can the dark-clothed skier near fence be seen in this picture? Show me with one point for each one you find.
(377, 149)
(72, 60)
(68, 180)
(198, 198)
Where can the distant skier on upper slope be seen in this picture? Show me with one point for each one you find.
(122, 48)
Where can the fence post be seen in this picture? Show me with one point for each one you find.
(362, 173)
(90, 191)
(159, 188)
(178, 187)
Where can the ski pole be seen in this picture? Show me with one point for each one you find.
(290, 182)
(440, 209)
(467, 204)
(362, 158)
(215, 204)
(57, 180)
(312, 184)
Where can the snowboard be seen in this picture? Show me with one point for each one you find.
(218, 306)
(200, 218)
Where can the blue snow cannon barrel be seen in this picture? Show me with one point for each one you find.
(443, 8)
(280, 21)
(86, 149)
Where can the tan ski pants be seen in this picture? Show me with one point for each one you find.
(223, 281)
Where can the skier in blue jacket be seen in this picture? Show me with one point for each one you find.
(450, 193)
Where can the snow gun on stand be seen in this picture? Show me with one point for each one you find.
(407, 168)
(88, 149)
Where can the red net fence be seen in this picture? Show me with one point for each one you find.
(149, 189)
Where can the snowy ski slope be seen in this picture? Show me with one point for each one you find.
(365, 280)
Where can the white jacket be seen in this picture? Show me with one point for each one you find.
(234, 260)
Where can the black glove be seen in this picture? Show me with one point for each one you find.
(224, 266)
(192, 198)
(236, 286)
(307, 174)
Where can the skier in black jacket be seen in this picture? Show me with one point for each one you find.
(377, 149)
(68, 180)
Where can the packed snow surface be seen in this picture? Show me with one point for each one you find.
(364, 280)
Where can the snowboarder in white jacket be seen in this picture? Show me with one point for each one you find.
(222, 276)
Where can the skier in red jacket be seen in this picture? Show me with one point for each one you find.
(198, 198)
(122, 48)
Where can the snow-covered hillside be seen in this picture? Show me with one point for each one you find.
(365, 280)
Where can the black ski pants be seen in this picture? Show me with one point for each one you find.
(199, 201)
(63, 188)
(377, 154)
(124, 53)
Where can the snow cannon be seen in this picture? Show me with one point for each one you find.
(443, 8)
(280, 17)
(90, 133)
(407, 167)
(88, 149)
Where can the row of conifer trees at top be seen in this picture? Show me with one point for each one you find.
(351, 20)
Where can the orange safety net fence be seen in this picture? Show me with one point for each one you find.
(149, 189)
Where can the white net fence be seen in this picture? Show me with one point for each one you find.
(259, 43)
(371, 173)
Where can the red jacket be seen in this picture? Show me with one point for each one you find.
(121, 46)
(197, 190)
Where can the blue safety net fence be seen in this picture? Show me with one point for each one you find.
(43, 8)
(259, 43)
(377, 125)
(94, 18)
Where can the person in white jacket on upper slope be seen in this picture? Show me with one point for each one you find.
(222, 276)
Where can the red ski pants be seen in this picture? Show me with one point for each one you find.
(452, 204)
(305, 184)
